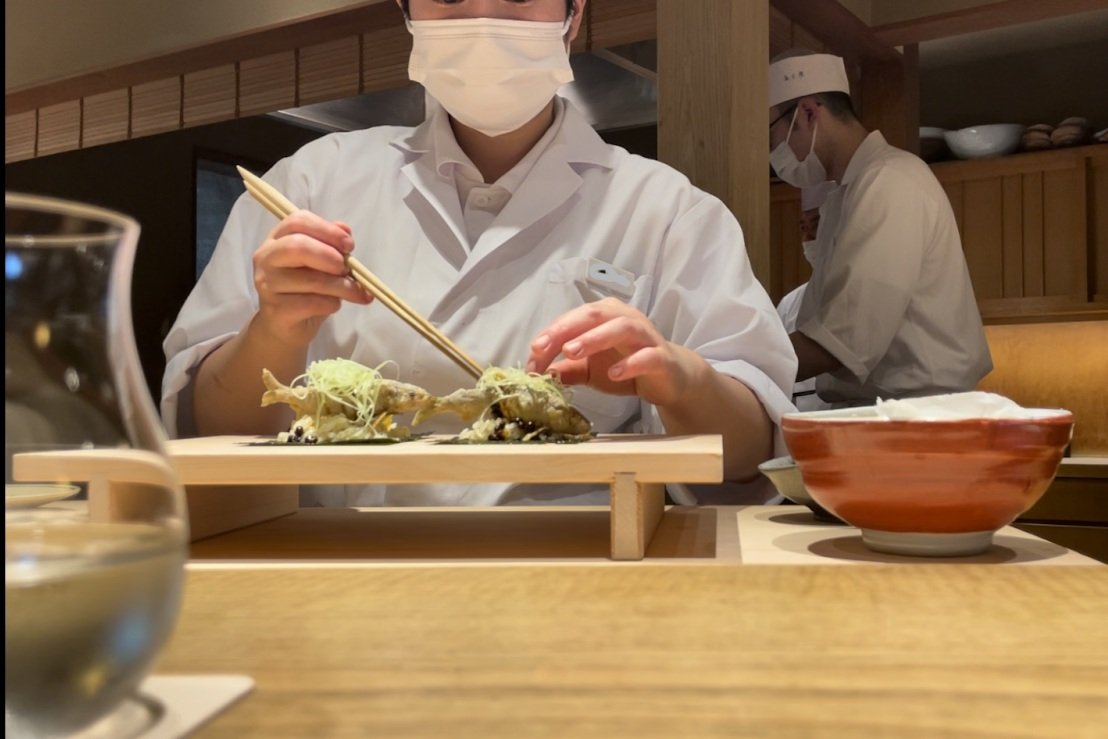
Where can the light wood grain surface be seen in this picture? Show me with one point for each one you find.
(233, 460)
(645, 651)
(443, 537)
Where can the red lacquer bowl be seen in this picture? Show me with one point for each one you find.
(939, 488)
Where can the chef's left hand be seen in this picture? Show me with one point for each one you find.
(610, 346)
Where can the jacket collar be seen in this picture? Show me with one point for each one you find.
(868, 151)
(576, 141)
(552, 180)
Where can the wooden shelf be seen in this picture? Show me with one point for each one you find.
(1046, 160)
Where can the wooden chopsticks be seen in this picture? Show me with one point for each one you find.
(280, 206)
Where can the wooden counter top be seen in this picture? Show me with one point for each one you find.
(515, 623)
(638, 650)
(574, 535)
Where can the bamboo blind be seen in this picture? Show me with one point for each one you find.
(327, 69)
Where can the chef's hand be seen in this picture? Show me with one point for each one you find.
(610, 346)
(301, 276)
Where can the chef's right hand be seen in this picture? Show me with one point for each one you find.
(301, 276)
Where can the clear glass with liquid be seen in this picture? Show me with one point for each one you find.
(93, 574)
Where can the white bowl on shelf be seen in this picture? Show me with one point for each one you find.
(978, 142)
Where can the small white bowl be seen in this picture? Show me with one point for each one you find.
(978, 142)
(785, 475)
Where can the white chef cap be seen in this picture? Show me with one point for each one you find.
(809, 74)
(813, 197)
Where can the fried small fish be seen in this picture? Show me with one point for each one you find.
(512, 404)
(341, 400)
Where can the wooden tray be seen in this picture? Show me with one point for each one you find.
(235, 481)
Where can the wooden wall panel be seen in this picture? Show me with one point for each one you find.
(1031, 226)
(784, 277)
(267, 83)
(1098, 224)
(982, 234)
(785, 34)
(329, 71)
(59, 128)
(788, 213)
(210, 95)
(1063, 226)
(805, 39)
(780, 32)
(616, 22)
(844, 33)
(786, 246)
(20, 131)
(1012, 236)
(156, 107)
(1033, 285)
(385, 58)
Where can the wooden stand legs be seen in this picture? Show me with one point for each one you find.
(636, 509)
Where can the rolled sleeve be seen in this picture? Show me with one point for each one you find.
(708, 300)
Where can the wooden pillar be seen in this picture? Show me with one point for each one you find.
(713, 57)
(890, 98)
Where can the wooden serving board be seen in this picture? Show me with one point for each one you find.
(235, 481)
(243, 460)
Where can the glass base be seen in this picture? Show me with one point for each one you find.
(132, 719)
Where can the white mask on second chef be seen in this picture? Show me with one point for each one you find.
(810, 251)
(490, 74)
(808, 173)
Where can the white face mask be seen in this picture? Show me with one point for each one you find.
(810, 251)
(491, 74)
(808, 173)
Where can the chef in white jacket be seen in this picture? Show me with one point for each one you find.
(508, 223)
(889, 310)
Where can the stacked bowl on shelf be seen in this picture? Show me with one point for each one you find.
(1074, 131)
(998, 139)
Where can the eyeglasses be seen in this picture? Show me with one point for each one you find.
(778, 120)
(783, 115)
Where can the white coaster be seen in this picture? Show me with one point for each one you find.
(189, 701)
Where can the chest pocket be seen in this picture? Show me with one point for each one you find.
(578, 281)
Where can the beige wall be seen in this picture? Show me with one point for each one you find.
(54, 39)
(1034, 87)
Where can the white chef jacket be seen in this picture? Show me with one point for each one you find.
(588, 221)
(890, 294)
